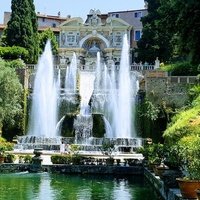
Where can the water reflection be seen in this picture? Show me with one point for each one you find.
(74, 187)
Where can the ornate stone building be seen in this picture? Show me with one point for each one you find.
(99, 33)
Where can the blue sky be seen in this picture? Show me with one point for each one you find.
(76, 8)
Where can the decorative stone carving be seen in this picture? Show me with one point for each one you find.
(95, 20)
(94, 32)
(63, 38)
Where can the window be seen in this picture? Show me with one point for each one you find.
(43, 19)
(57, 38)
(137, 14)
(137, 35)
(54, 25)
(115, 15)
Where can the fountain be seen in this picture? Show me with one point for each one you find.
(43, 116)
(123, 112)
(107, 92)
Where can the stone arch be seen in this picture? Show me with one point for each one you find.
(98, 36)
(94, 41)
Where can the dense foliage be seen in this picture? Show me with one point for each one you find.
(44, 37)
(184, 30)
(171, 31)
(22, 28)
(13, 52)
(10, 95)
(186, 122)
(181, 69)
(153, 42)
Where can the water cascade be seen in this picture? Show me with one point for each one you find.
(71, 76)
(114, 96)
(109, 92)
(86, 90)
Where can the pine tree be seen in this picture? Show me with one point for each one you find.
(22, 28)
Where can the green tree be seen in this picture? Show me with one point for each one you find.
(154, 41)
(181, 19)
(22, 28)
(10, 95)
(48, 35)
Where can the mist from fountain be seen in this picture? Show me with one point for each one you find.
(107, 90)
(71, 76)
(115, 92)
(86, 90)
(43, 117)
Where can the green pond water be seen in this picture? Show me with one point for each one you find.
(45, 186)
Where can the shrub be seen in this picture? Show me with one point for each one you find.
(60, 159)
(27, 158)
(153, 153)
(13, 52)
(181, 69)
(190, 155)
(5, 146)
(10, 158)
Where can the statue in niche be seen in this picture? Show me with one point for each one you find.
(63, 39)
(77, 38)
(111, 39)
(95, 20)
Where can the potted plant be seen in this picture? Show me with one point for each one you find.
(2, 154)
(198, 193)
(27, 158)
(76, 157)
(153, 154)
(4, 146)
(107, 148)
(10, 158)
(190, 155)
(21, 158)
(174, 162)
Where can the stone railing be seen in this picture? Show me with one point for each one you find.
(139, 67)
(183, 79)
(135, 67)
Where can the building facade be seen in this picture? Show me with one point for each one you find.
(98, 33)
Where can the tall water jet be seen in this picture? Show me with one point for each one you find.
(122, 99)
(43, 116)
(124, 104)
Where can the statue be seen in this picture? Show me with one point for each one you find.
(157, 63)
(95, 20)
(63, 39)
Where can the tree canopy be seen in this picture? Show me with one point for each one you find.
(10, 95)
(171, 31)
(181, 19)
(153, 42)
(44, 37)
(22, 29)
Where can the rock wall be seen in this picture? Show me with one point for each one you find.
(173, 90)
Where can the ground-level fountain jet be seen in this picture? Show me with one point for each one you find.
(124, 96)
(43, 118)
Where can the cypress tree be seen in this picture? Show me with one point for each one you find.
(22, 28)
